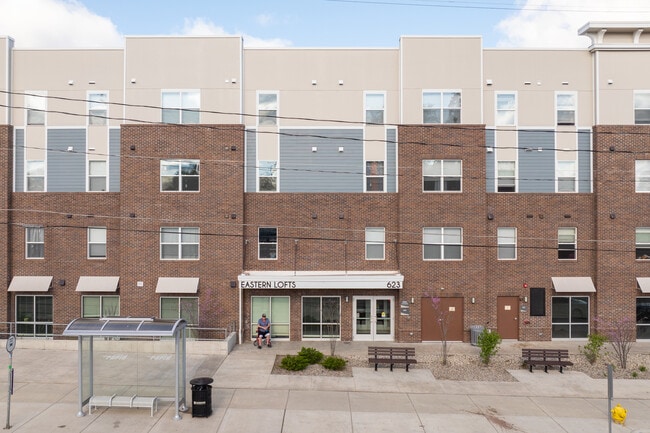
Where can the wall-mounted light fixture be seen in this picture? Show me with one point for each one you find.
(91, 82)
(473, 300)
(132, 147)
(490, 216)
(233, 284)
(61, 282)
(314, 215)
(70, 82)
(340, 82)
(314, 82)
(488, 82)
(612, 215)
(132, 80)
(346, 299)
(412, 300)
(314, 149)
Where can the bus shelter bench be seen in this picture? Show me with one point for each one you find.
(391, 355)
(123, 401)
(546, 358)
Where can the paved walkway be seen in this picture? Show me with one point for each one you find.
(246, 397)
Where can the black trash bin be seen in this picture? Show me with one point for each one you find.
(201, 396)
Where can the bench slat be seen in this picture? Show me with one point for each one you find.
(391, 355)
(546, 357)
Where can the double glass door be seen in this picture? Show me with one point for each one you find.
(373, 318)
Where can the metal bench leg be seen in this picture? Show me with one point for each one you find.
(375, 366)
(407, 367)
(391, 367)
(530, 367)
(546, 369)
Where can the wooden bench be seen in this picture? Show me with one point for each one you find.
(391, 355)
(123, 401)
(546, 357)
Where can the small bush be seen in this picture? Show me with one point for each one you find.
(635, 374)
(489, 342)
(334, 363)
(312, 355)
(642, 368)
(591, 350)
(294, 363)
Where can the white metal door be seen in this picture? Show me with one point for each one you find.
(373, 318)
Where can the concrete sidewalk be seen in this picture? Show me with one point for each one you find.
(246, 397)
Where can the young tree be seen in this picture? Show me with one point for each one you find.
(620, 334)
(442, 319)
(332, 318)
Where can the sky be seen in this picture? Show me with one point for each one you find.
(311, 23)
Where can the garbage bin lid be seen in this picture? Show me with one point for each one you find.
(201, 381)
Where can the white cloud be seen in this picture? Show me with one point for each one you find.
(56, 24)
(264, 19)
(202, 27)
(555, 23)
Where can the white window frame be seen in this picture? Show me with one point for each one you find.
(264, 244)
(566, 102)
(40, 233)
(35, 169)
(267, 110)
(567, 241)
(566, 171)
(642, 106)
(96, 238)
(500, 109)
(642, 243)
(268, 170)
(178, 164)
(97, 170)
(189, 111)
(101, 299)
(443, 105)
(442, 238)
(508, 181)
(375, 237)
(35, 107)
(97, 108)
(370, 99)
(184, 237)
(429, 169)
(378, 166)
(642, 175)
(506, 242)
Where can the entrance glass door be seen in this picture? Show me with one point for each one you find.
(373, 319)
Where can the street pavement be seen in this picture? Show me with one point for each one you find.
(246, 397)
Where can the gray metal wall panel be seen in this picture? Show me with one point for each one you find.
(536, 169)
(391, 160)
(19, 161)
(66, 170)
(489, 161)
(251, 160)
(327, 169)
(584, 160)
(114, 160)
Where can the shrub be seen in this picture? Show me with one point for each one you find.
(334, 363)
(312, 355)
(635, 374)
(591, 350)
(489, 342)
(642, 368)
(294, 363)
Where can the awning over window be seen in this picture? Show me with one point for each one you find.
(573, 284)
(177, 285)
(30, 284)
(321, 280)
(644, 284)
(97, 284)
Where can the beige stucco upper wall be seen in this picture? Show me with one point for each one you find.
(441, 63)
(211, 65)
(6, 44)
(69, 74)
(536, 76)
(291, 72)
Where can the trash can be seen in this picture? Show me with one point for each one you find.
(475, 331)
(201, 396)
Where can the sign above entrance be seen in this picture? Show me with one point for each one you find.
(321, 280)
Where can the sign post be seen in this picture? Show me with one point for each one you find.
(11, 344)
(610, 393)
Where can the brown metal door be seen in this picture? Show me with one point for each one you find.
(508, 317)
(450, 310)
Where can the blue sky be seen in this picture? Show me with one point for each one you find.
(310, 23)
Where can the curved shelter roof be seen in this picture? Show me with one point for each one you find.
(124, 327)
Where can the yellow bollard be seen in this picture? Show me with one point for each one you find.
(619, 413)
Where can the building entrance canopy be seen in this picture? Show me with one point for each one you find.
(321, 280)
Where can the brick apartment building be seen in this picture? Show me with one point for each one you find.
(337, 190)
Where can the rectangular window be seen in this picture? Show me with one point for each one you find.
(97, 108)
(641, 108)
(267, 108)
(506, 176)
(442, 243)
(35, 242)
(267, 243)
(34, 316)
(321, 317)
(96, 242)
(98, 306)
(97, 175)
(36, 107)
(179, 175)
(375, 240)
(537, 301)
(643, 243)
(506, 112)
(565, 104)
(375, 176)
(643, 318)
(35, 174)
(268, 176)
(277, 311)
(179, 243)
(570, 317)
(566, 243)
(642, 175)
(441, 107)
(181, 106)
(566, 176)
(172, 307)
(374, 106)
(440, 175)
(507, 243)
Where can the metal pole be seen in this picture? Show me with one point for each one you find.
(10, 389)
(610, 393)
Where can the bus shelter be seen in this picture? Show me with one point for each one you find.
(135, 329)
